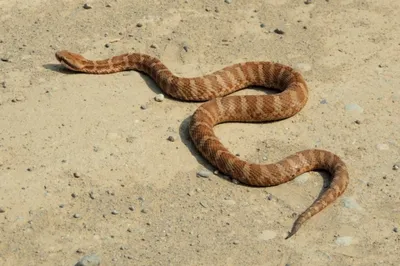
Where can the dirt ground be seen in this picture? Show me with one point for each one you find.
(86, 170)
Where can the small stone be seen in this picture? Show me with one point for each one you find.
(236, 242)
(358, 122)
(269, 197)
(279, 31)
(77, 215)
(87, 6)
(228, 1)
(396, 167)
(131, 208)
(171, 138)
(5, 59)
(130, 139)
(139, 25)
(262, 25)
(353, 107)
(92, 195)
(107, 45)
(144, 210)
(344, 240)
(154, 46)
(89, 260)
(323, 101)
(114, 212)
(143, 107)
(77, 175)
(74, 195)
(29, 169)
(396, 230)
(307, 2)
(108, 5)
(351, 203)
(61, 206)
(186, 48)
(203, 173)
(2, 210)
(79, 251)
(203, 204)
(159, 97)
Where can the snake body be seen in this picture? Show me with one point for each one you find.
(217, 109)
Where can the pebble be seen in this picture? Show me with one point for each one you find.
(5, 59)
(236, 242)
(154, 46)
(344, 240)
(74, 195)
(382, 146)
(143, 211)
(2, 210)
(87, 6)
(203, 204)
(171, 138)
(114, 212)
(396, 230)
(143, 107)
(139, 25)
(186, 48)
(89, 260)
(228, 1)
(279, 31)
(77, 175)
(323, 101)
(396, 167)
(92, 195)
(131, 208)
(267, 235)
(351, 203)
(77, 215)
(159, 97)
(353, 107)
(204, 173)
(262, 25)
(358, 122)
(61, 206)
(307, 2)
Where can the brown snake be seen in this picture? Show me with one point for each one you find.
(261, 108)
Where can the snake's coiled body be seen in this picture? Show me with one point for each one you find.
(218, 109)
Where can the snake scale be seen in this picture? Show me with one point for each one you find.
(211, 88)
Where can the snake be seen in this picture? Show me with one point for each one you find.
(211, 89)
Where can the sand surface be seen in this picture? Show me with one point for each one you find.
(84, 170)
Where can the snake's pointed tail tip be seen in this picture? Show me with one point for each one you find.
(293, 232)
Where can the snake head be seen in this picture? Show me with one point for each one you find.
(74, 62)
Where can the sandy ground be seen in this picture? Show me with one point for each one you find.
(84, 170)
